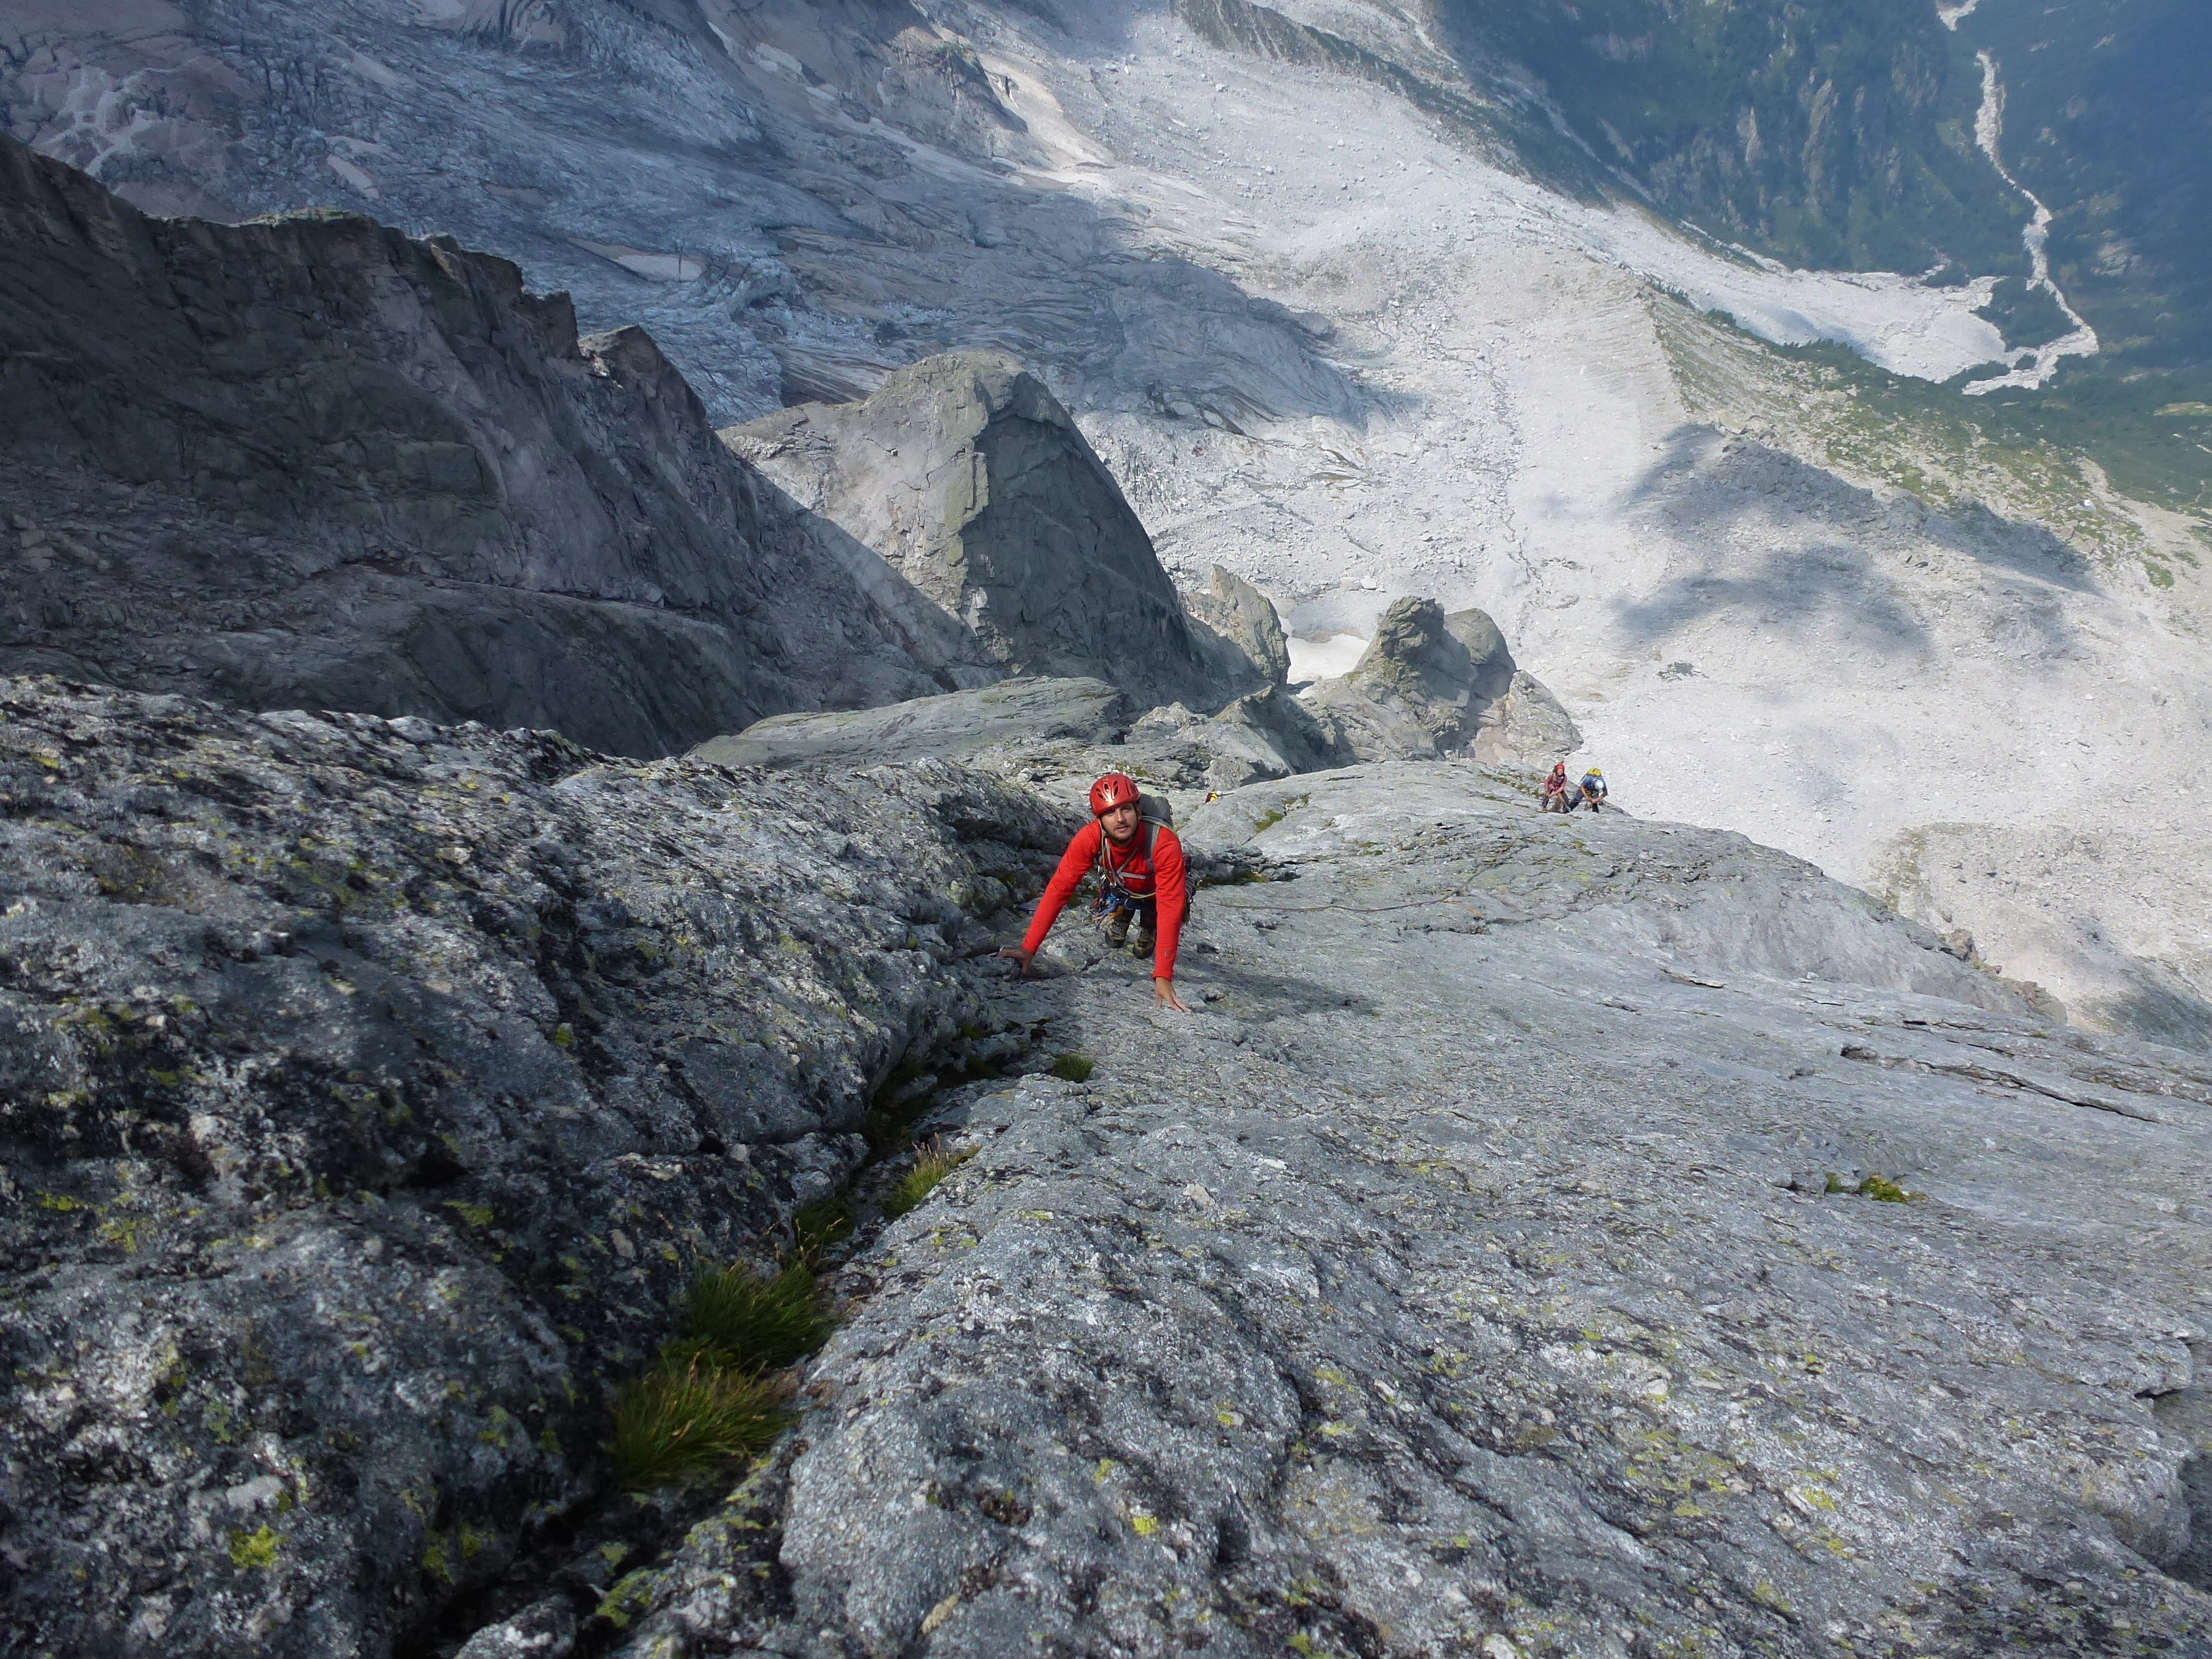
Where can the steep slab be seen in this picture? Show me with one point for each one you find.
(1574, 1238)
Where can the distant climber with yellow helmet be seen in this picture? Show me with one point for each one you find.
(1593, 789)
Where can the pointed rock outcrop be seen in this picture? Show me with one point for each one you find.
(1244, 621)
(1432, 684)
(962, 477)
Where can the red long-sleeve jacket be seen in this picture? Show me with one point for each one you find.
(1159, 877)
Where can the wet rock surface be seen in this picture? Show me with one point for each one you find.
(366, 1088)
(1549, 1237)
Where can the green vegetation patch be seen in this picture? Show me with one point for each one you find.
(1075, 1068)
(819, 1225)
(1836, 135)
(748, 1322)
(712, 1399)
(688, 1418)
(1880, 1189)
(2053, 456)
(936, 1161)
(257, 1549)
(2025, 316)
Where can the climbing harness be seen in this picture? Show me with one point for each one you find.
(1113, 863)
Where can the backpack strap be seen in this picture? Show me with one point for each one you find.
(1108, 874)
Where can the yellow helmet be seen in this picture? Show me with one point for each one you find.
(1597, 772)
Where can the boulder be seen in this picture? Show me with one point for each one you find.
(312, 461)
(1432, 684)
(1528, 724)
(1279, 726)
(967, 479)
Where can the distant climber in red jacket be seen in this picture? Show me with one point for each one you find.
(1142, 896)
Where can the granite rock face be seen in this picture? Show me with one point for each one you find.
(966, 479)
(1432, 684)
(366, 1090)
(960, 726)
(315, 462)
(1056, 734)
(1559, 1237)
(1598, 1237)
(1245, 619)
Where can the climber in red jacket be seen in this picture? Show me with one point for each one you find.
(1141, 895)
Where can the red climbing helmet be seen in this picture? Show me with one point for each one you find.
(1114, 789)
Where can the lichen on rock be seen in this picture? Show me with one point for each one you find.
(367, 1090)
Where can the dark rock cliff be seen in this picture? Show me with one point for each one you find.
(310, 461)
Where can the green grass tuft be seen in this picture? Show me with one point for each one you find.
(1884, 1190)
(754, 1323)
(688, 1418)
(1075, 1068)
(936, 1162)
(819, 1225)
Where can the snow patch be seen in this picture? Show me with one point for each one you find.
(1324, 656)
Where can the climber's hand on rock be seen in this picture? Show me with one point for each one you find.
(1020, 957)
(1164, 996)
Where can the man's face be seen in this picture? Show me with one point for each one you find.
(1120, 822)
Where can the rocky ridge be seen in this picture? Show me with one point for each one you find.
(313, 462)
(1595, 1237)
